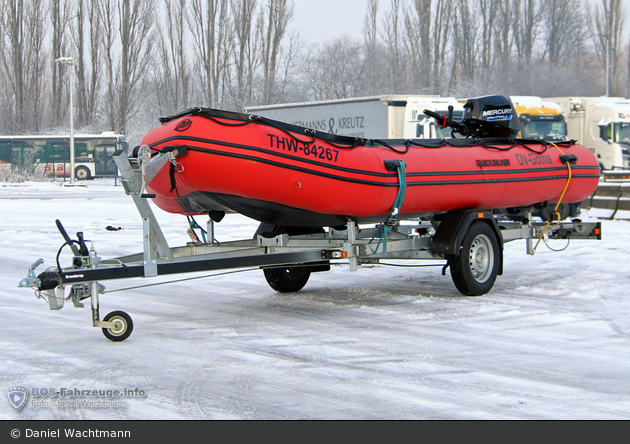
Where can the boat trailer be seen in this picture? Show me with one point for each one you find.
(470, 242)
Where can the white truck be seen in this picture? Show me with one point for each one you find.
(602, 124)
(377, 117)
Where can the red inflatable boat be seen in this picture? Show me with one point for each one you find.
(286, 175)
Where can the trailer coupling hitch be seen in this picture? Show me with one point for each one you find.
(30, 280)
(45, 281)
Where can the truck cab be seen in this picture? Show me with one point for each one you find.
(602, 124)
(540, 119)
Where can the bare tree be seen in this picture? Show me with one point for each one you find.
(374, 54)
(23, 60)
(279, 15)
(88, 40)
(391, 35)
(246, 51)
(287, 90)
(527, 21)
(173, 72)
(211, 38)
(441, 26)
(60, 17)
(503, 40)
(563, 22)
(417, 38)
(488, 15)
(370, 25)
(608, 20)
(336, 70)
(466, 49)
(35, 66)
(135, 19)
(233, 53)
(427, 39)
(107, 18)
(13, 63)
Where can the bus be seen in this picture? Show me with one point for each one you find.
(50, 155)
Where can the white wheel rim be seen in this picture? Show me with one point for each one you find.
(481, 258)
(120, 326)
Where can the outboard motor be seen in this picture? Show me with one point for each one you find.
(487, 116)
(491, 116)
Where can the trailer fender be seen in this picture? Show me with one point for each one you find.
(453, 227)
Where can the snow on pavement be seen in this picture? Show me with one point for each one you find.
(550, 341)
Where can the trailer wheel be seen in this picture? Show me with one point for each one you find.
(475, 269)
(123, 328)
(563, 209)
(287, 279)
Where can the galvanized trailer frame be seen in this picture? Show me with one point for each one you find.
(470, 241)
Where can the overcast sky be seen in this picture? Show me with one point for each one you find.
(321, 20)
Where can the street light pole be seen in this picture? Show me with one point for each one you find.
(70, 61)
(607, 64)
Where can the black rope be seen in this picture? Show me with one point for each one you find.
(253, 120)
(441, 143)
(491, 144)
(288, 133)
(524, 143)
(388, 146)
(291, 130)
(357, 142)
(508, 148)
(171, 173)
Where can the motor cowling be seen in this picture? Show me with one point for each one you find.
(491, 116)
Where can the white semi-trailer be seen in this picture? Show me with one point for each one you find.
(378, 117)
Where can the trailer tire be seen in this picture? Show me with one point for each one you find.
(475, 269)
(123, 329)
(287, 279)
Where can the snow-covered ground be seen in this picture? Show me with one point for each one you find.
(550, 341)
